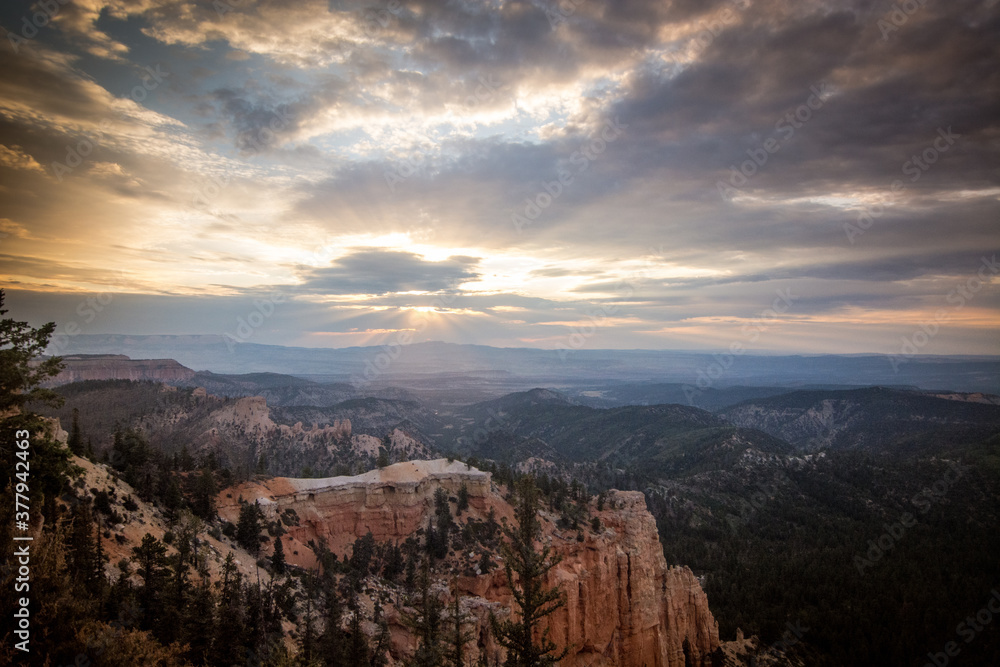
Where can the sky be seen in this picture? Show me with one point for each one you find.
(785, 176)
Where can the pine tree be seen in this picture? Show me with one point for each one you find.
(426, 621)
(199, 622)
(151, 558)
(332, 641)
(185, 461)
(22, 371)
(307, 632)
(382, 641)
(228, 644)
(458, 638)
(357, 644)
(521, 557)
(248, 527)
(75, 442)
(203, 502)
(463, 498)
(171, 494)
(278, 557)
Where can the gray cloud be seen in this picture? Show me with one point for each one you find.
(376, 271)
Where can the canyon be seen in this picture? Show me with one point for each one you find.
(624, 605)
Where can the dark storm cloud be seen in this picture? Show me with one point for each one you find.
(376, 271)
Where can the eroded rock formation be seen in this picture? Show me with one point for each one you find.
(624, 605)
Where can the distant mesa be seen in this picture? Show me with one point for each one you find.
(81, 367)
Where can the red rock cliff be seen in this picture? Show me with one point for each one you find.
(624, 605)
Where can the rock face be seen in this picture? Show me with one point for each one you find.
(119, 367)
(624, 605)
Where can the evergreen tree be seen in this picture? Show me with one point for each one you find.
(278, 557)
(185, 462)
(199, 622)
(151, 558)
(361, 554)
(170, 495)
(458, 638)
(249, 526)
(228, 644)
(203, 501)
(332, 643)
(382, 641)
(75, 442)
(426, 621)
(21, 376)
(307, 632)
(463, 498)
(357, 642)
(438, 537)
(522, 558)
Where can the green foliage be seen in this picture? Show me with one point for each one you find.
(203, 495)
(22, 371)
(362, 554)
(278, 557)
(427, 622)
(531, 565)
(463, 498)
(75, 442)
(249, 526)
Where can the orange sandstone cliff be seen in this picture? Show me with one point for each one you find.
(624, 605)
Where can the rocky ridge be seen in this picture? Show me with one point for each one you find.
(119, 367)
(624, 605)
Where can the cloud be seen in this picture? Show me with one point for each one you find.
(14, 157)
(287, 135)
(376, 272)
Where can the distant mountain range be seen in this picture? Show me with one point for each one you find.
(450, 373)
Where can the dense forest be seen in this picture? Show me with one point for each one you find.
(161, 606)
